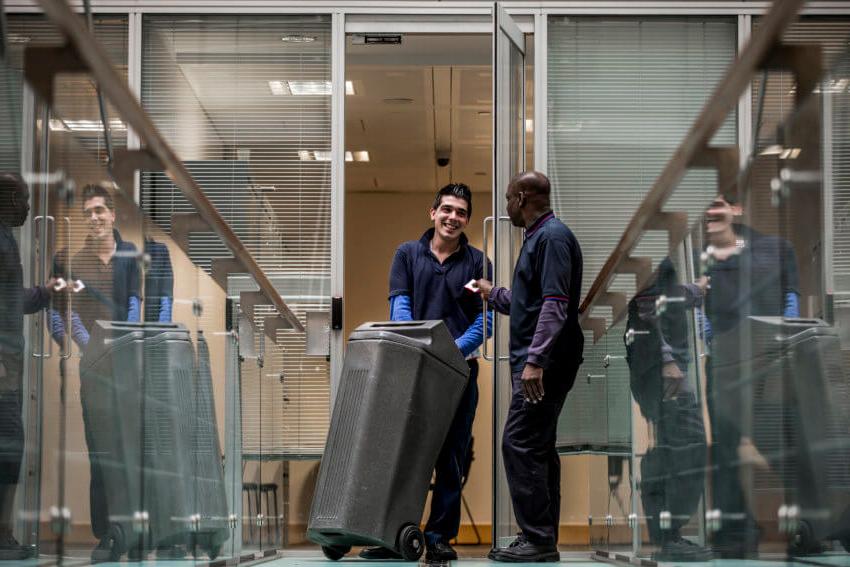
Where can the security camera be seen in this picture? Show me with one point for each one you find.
(443, 157)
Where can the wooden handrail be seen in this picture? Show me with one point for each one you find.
(118, 93)
(719, 105)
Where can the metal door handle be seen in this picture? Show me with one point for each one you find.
(41, 277)
(485, 242)
(68, 352)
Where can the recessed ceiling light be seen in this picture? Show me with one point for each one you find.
(307, 88)
(483, 113)
(325, 155)
(529, 125)
(398, 100)
(278, 88)
(298, 38)
(18, 38)
(84, 125)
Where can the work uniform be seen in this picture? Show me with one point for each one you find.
(422, 288)
(543, 305)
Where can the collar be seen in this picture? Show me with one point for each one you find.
(115, 235)
(535, 226)
(425, 241)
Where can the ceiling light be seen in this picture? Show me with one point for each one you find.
(84, 125)
(349, 88)
(308, 88)
(18, 38)
(398, 100)
(279, 88)
(483, 113)
(773, 150)
(298, 38)
(325, 155)
(529, 125)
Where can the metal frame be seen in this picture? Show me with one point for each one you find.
(337, 339)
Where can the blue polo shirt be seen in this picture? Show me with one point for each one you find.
(436, 290)
(549, 268)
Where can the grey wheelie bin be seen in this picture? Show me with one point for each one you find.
(400, 388)
(792, 397)
(152, 439)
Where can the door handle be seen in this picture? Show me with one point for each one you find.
(485, 242)
(41, 273)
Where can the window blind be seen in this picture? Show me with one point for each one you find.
(245, 101)
(622, 93)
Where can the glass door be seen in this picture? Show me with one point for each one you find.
(508, 160)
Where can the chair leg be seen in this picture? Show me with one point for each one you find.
(471, 519)
(276, 517)
(250, 517)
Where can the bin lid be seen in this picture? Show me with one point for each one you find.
(432, 337)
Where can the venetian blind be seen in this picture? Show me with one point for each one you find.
(245, 101)
(622, 93)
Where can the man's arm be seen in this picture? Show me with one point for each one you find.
(35, 299)
(472, 338)
(400, 308)
(553, 317)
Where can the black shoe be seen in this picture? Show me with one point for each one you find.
(378, 553)
(681, 549)
(11, 550)
(440, 551)
(105, 550)
(523, 551)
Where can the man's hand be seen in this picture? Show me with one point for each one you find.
(50, 285)
(673, 377)
(484, 288)
(532, 383)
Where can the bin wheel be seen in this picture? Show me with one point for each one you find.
(411, 543)
(335, 552)
(804, 541)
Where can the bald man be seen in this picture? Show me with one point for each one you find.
(546, 345)
(15, 302)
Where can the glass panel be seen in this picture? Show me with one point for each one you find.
(607, 144)
(259, 146)
(509, 140)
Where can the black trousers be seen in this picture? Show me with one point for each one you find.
(532, 464)
(673, 472)
(444, 519)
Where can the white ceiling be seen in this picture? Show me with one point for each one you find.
(447, 81)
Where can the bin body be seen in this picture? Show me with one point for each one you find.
(150, 428)
(400, 388)
(783, 382)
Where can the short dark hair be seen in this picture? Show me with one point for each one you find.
(11, 183)
(92, 191)
(459, 190)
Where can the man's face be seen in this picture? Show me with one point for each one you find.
(20, 206)
(99, 217)
(450, 218)
(720, 214)
(515, 199)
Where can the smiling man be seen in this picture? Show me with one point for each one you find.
(427, 282)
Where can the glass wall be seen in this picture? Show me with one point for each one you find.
(622, 93)
(258, 143)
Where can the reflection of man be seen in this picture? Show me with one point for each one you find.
(107, 268)
(546, 348)
(673, 471)
(14, 302)
(427, 281)
(751, 274)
